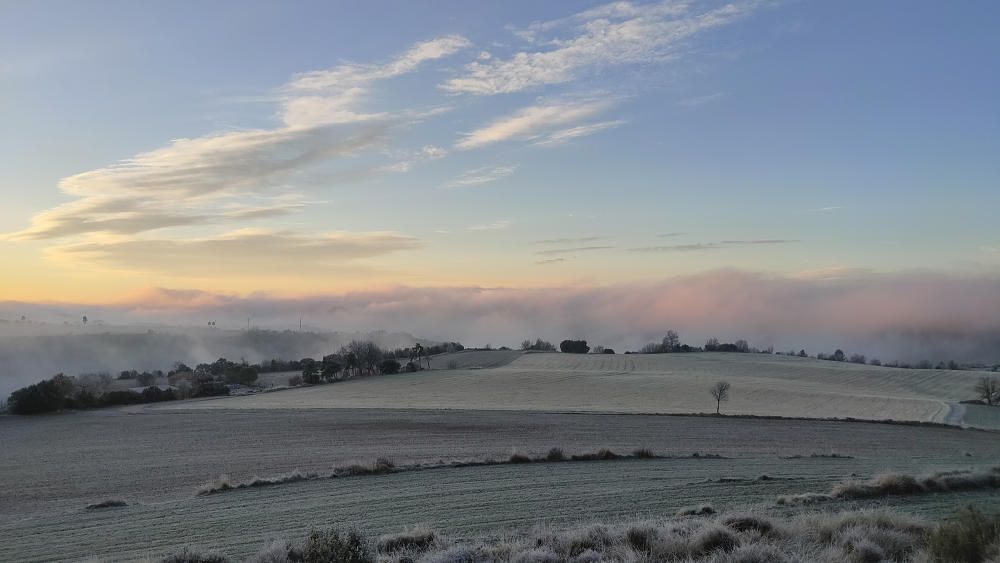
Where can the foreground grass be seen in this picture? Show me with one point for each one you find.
(747, 537)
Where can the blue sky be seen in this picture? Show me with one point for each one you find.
(515, 144)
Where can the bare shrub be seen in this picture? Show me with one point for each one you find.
(295, 381)
(555, 454)
(643, 453)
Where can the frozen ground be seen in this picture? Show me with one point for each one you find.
(54, 465)
(660, 383)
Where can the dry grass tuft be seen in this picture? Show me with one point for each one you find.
(700, 510)
(417, 539)
(109, 503)
(895, 484)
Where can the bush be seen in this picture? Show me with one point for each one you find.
(45, 396)
(971, 537)
(555, 454)
(295, 381)
(574, 347)
(116, 398)
(389, 367)
(518, 458)
(331, 546)
(209, 389)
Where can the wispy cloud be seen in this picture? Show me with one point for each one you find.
(615, 34)
(246, 251)
(497, 225)
(670, 235)
(335, 95)
(479, 176)
(711, 245)
(563, 136)
(532, 122)
(574, 250)
(407, 159)
(568, 240)
(219, 178)
(550, 261)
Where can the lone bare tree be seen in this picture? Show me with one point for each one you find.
(988, 389)
(720, 392)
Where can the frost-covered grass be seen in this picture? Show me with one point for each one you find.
(896, 484)
(747, 537)
(384, 466)
(762, 385)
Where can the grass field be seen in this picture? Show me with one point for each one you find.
(478, 405)
(155, 459)
(663, 383)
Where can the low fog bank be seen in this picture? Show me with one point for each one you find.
(32, 352)
(905, 316)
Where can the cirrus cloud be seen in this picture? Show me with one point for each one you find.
(612, 35)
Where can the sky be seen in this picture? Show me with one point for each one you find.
(168, 155)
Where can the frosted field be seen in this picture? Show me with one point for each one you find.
(54, 465)
(656, 383)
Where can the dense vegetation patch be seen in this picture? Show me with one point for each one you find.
(895, 484)
(858, 536)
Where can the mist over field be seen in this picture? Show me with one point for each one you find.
(907, 317)
(30, 353)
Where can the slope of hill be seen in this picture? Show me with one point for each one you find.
(762, 385)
